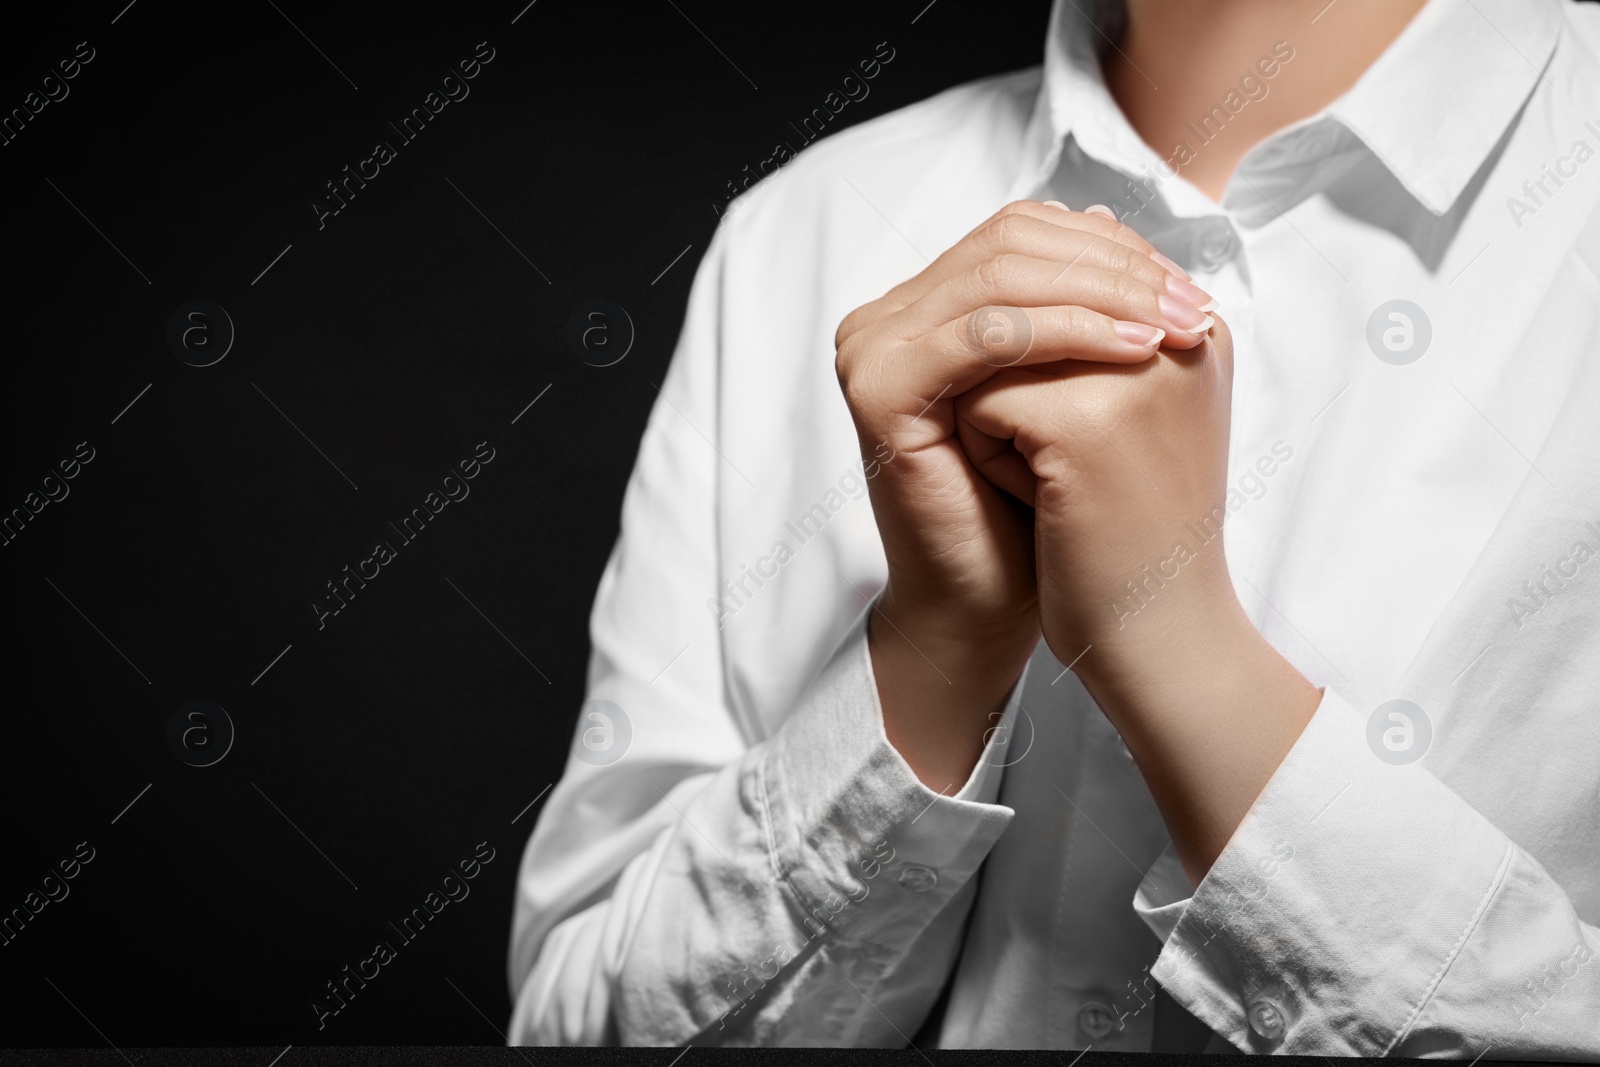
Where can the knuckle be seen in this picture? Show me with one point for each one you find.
(1128, 260)
(847, 364)
(989, 237)
(999, 335)
(1129, 291)
(1000, 226)
(997, 273)
(847, 326)
(1005, 230)
(1079, 322)
(860, 365)
(857, 396)
(1124, 234)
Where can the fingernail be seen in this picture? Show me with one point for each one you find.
(1100, 209)
(1182, 314)
(1137, 333)
(1057, 203)
(1190, 293)
(1172, 268)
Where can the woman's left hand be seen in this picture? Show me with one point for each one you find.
(1126, 469)
(1125, 466)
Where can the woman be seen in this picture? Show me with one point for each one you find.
(1016, 754)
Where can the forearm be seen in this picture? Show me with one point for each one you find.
(1208, 709)
(942, 690)
(733, 909)
(1378, 913)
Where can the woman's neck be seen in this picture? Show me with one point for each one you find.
(1182, 63)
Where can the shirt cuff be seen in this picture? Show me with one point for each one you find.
(1336, 907)
(869, 851)
(1163, 894)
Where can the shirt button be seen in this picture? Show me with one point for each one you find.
(918, 879)
(1266, 1018)
(1096, 1020)
(1216, 246)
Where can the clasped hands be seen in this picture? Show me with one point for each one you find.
(1056, 397)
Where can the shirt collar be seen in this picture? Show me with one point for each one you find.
(1073, 98)
(1488, 54)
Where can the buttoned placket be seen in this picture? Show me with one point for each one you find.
(1211, 241)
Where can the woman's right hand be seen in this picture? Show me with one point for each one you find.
(958, 617)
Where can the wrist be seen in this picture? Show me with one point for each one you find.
(966, 634)
(1169, 650)
(942, 691)
(1208, 716)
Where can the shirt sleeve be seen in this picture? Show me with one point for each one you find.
(686, 883)
(1363, 908)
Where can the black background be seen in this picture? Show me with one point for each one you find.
(370, 358)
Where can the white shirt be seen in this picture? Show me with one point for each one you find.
(737, 855)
